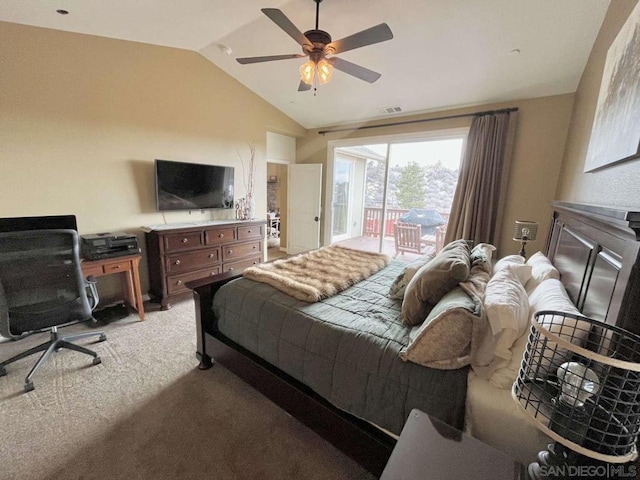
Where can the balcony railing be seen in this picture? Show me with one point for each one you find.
(373, 220)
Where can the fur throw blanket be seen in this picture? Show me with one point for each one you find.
(318, 274)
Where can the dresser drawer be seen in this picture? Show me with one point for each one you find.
(182, 262)
(250, 231)
(242, 250)
(182, 241)
(117, 267)
(219, 235)
(176, 283)
(241, 265)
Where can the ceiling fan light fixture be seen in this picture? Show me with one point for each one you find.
(307, 72)
(325, 71)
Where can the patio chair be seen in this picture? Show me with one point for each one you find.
(440, 233)
(408, 238)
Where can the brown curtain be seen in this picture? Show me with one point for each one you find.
(478, 203)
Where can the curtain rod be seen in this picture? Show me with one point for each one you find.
(409, 122)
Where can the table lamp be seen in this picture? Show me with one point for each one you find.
(523, 232)
(579, 382)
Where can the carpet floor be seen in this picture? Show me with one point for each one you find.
(147, 412)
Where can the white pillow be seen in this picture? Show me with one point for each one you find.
(507, 309)
(541, 269)
(486, 248)
(505, 375)
(549, 295)
(522, 271)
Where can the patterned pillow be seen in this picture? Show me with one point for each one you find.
(443, 341)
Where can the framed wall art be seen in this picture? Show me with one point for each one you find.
(615, 135)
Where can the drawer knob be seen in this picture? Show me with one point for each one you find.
(213, 274)
(179, 282)
(230, 252)
(248, 231)
(177, 262)
(211, 255)
(231, 269)
(185, 240)
(117, 266)
(254, 247)
(221, 235)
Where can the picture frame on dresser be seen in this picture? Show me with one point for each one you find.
(177, 254)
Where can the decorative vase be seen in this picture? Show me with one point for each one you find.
(251, 208)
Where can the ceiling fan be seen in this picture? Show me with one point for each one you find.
(319, 47)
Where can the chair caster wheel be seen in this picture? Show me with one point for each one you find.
(28, 386)
(3, 371)
(102, 338)
(97, 361)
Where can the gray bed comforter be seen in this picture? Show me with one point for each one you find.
(346, 348)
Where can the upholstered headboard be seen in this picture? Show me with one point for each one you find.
(596, 249)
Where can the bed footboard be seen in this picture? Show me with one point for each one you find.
(361, 441)
(203, 292)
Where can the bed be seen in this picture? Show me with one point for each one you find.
(596, 252)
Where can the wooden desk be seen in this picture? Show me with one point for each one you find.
(129, 266)
(430, 449)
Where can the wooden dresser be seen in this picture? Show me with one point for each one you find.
(177, 254)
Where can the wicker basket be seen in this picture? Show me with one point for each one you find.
(568, 356)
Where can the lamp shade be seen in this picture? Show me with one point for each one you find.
(307, 72)
(579, 382)
(325, 71)
(525, 230)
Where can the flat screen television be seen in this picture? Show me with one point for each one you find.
(193, 186)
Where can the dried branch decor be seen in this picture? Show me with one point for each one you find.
(245, 207)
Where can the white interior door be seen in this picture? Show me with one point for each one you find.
(305, 189)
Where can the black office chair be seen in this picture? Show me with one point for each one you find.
(42, 288)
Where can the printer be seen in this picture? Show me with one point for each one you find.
(107, 245)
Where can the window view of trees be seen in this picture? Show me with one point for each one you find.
(411, 186)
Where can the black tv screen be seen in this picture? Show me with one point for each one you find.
(193, 186)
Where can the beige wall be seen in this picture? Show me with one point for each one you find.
(82, 119)
(616, 185)
(539, 145)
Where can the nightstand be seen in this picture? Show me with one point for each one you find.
(430, 449)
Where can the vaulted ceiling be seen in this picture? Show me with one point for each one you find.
(444, 54)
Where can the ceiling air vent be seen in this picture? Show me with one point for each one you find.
(390, 110)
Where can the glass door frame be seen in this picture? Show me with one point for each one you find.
(332, 145)
(347, 233)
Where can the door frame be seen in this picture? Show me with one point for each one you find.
(347, 234)
(431, 135)
(286, 208)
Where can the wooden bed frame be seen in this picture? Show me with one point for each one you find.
(596, 250)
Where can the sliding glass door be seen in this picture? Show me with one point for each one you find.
(397, 182)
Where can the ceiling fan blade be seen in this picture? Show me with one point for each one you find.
(377, 34)
(285, 24)
(355, 70)
(303, 87)
(269, 58)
